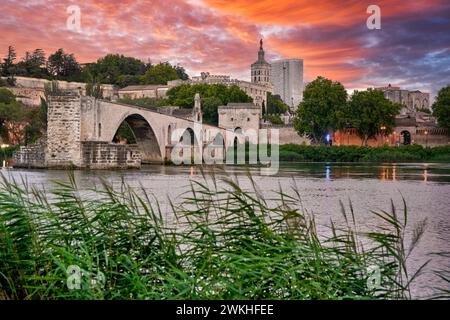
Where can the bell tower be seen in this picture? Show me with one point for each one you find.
(261, 68)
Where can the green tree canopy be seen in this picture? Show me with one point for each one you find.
(160, 74)
(8, 67)
(317, 113)
(212, 96)
(370, 113)
(10, 111)
(441, 107)
(6, 96)
(275, 104)
(33, 65)
(116, 69)
(64, 66)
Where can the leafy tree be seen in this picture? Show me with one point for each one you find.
(64, 66)
(209, 109)
(10, 111)
(275, 104)
(370, 113)
(441, 107)
(184, 94)
(117, 69)
(8, 67)
(6, 96)
(160, 74)
(317, 113)
(33, 65)
(181, 72)
(273, 118)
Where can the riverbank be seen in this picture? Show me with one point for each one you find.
(411, 153)
(220, 246)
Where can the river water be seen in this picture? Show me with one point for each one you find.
(425, 187)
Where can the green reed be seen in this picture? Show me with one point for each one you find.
(224, 243)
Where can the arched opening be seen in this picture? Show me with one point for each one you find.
(169, 135)
(134, 129)
(406, 137)
(189, 137)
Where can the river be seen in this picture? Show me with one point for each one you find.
(425, 187)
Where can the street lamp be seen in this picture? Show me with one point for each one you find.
(383, 129)
(426, 138)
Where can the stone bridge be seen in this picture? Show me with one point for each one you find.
(81, 130)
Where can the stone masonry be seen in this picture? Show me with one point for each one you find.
(64, 130)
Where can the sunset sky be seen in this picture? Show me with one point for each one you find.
(411, 50)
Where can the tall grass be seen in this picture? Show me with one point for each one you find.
(225, 243)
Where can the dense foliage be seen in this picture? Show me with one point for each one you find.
(275, 104)
(441, 107)
(13, 114)
(225, 243)
(317, 114)
(212, 95)
(298, 153)
(111, 69)
(370, 113)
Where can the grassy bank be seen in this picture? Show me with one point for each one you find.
(229, 244)
(298, 153)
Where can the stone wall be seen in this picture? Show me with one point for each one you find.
(104, 155)
(30, 156)
(64, 130)
(28, 96)
(287, 134)
(110, 92)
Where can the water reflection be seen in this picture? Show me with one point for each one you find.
(395, 172)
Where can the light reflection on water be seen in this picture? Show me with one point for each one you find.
(425, 187)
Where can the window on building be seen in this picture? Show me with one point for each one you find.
(99, 130)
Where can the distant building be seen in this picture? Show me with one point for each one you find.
(257, 91)
(287, 80)
(260, 70)
(240, 117)
(412, 100)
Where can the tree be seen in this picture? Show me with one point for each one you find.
(441, 107)
(6, 96)
(12, 115)
(33, 65)
(8, 67)
(116, 69)
(275, 104)
(370, 113)
(209, 109)
(317, 113)
(181, 72)
(160, 74)
(212, 96)
(64, 66)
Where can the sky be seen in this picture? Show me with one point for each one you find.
(411, 50)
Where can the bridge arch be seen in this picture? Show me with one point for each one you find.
(144, 135)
